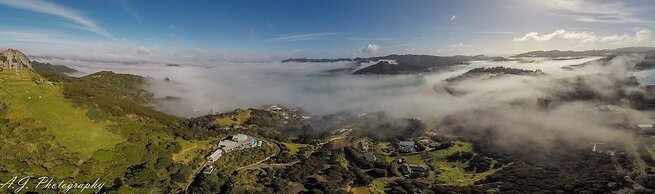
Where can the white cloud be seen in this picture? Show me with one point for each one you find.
(304, 37)
(596, 12)
(49, 8)
(496, 32)
(583, 36)
(639, 38)
(370, 38)
(370, 48)
(460, 45)
(453, 18)
(47, 43)
(125, 5)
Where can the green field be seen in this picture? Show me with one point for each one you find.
(190, 150)
(382, 145)
(375, 187)
(237, 119)
(46, 106)
(453, 172)
(294, 147)
(414, 159)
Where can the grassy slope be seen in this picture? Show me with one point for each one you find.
(294, 147)
(238, 119)
(124, 135)
(190, 150)
(375, 187)
(46, 105)
(453, 172)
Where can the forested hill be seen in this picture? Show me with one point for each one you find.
(98, 126)
(398, 64)
(604, 52)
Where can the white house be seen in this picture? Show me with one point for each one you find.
(215, 155)
(208, 170)
(227, 145)
(239, 138)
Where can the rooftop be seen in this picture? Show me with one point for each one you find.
(406, 143)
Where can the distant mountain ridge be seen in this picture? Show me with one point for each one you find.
(494, 71)
(603, 52)
(645, 63)
(403, 63)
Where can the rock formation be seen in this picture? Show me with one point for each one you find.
(14, 59)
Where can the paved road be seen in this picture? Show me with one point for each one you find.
(196, 174)
(277, 151)
(264, 165)
(261, 164)
(267, 141)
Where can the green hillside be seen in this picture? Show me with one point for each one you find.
(45, 106)
(97, 126)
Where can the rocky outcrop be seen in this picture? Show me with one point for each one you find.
(14, 59)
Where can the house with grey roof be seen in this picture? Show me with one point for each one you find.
(408, 146)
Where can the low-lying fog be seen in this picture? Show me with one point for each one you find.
(481, 103)
(227, 86)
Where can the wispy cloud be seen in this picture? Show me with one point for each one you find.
(419, 38)
(496, 32)
(305, 37)
(640, 37)
(49, 8)
(370, 38)
(127, 6)
(616, 12)
(49, 43)
(460, 45)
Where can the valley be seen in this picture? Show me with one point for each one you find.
(103, 125)
(327, 97)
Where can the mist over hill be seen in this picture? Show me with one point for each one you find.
(587, 53)
(545, 105)
(400, 64)
(327, 97)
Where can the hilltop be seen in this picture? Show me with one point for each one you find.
(79, 129)
(401, 64)
(604, 52)
(103, 125)
(493, 72)
(14, 59)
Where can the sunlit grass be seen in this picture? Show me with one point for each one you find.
(294, 147)
(48, 108)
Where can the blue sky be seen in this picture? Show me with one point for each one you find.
(244, 30)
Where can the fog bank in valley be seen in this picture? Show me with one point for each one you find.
(508, 103)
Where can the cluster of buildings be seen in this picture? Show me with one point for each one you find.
(368, 156)
(238, 141)
(410, 146)
(293, 114)
(407, 146)
(413, 170)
